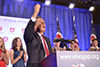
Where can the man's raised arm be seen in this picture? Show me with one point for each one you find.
(32, 25)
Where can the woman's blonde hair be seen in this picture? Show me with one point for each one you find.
(2, 47)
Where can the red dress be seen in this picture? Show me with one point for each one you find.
(2, 63)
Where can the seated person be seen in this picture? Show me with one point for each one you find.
(73, 46)
(94, 46)
(57, 46)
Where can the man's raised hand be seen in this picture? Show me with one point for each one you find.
(36, 10)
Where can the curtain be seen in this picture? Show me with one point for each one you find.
(50, 13)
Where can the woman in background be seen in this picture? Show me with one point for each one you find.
(17, 54)
(4, 54)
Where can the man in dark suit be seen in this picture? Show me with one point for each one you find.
(38, 46)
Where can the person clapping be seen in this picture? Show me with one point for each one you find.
(17, 54)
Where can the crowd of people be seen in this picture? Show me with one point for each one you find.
(38, 46)
(75, 47)
(18, 54)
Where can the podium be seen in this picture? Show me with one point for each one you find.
(72, 59)
(50, 61)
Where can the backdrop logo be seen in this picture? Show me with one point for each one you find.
(0, 28)
(78, 65)
(12, 29)
(5, 39)
(23, 30)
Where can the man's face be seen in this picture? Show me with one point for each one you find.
(42, 25)
(95, 43)
(57, 44)
(73, 43)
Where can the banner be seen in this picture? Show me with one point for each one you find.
(11, 27)
(78, 59)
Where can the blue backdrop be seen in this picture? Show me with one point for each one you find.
(25, 9)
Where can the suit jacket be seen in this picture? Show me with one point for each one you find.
(34, 45)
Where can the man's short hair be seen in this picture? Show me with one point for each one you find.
(38, 17)
(94, 40)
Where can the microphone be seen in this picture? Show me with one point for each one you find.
(62, 40)
(67, 41)
(58, 40)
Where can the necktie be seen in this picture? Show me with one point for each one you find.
(45, 47)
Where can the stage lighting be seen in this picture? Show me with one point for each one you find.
(47, 2)
(91, 8)
(71, 6)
